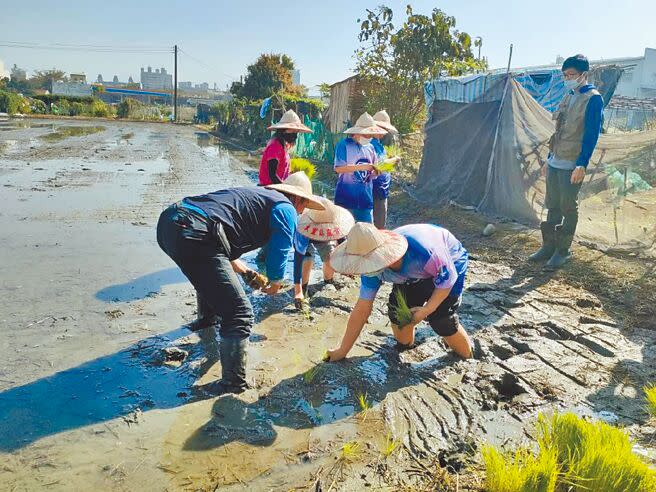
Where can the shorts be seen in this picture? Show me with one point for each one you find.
(325, 249)
(444, 320)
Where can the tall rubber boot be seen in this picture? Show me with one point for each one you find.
(204, 316)
(562, 254)
(548, 243)
(233, 367)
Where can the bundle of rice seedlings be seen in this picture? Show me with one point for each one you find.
(574, 455)
(311, 373)
(594, 455)
(402, 310)
(520, 471)
(325, 357)
(393, 151)
(300, 164)
(650, 396)
(385, 167)
(350, 452)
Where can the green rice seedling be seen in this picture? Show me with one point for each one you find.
(311, 374)
(365, 406)
(300, 164)
(385, 167)
(325, 357)
(593, 455)
(389, 445)
(393, 151)
(650, 396)
(575, 455)
(402, 310)
(520, 471)
(350, 452)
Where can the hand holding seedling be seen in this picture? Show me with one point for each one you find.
(419, 314)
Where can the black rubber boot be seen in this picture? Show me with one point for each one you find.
(548, 243)
(562, 254)
(204, 316)
(233, 368)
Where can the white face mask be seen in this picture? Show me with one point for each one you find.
(571, 84)
(364, 141)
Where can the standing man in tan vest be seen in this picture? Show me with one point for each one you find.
(578, 125)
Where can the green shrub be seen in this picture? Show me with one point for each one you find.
(127, 107)
(13, 103)
(100, 109)
(77, 109)
(300, 164)
(583, 455)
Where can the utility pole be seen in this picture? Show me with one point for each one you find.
(175, 83)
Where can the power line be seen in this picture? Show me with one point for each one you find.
(208, 67)
(89, 48)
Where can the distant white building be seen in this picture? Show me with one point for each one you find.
(639, 77)
(157, 80)
(79, 89)
(296, 77)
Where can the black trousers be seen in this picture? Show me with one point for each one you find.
(206, 265)
(562, 199)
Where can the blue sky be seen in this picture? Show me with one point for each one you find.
(319, 36)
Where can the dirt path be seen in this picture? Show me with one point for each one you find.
(91, 308)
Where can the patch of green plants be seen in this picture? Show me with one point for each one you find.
(300, 164)
(574, 454)
(350, 452)
(650, 397)
(389, 445)
(402, 310)
(311, 374)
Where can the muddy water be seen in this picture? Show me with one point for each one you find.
(97, 375)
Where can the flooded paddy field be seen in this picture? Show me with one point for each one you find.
(98, 371)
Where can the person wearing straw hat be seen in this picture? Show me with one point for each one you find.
(355, 158)
(275, 163)
(381, 183)
(206, 234)
(427, 266)
(317, 231)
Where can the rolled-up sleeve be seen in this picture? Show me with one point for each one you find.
(282, 224)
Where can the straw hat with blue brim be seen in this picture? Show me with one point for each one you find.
(368, 250)
(298, 184)
(330, 224)
(366, 125)
(290, 122)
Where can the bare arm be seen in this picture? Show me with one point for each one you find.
(436, 298)
(352, 168)
(356, 322)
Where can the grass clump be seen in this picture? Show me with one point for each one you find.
(650, 396)
(402, 310)
(389, 445)
(574, 454)
(350, 452)
(311, 374)
(300, 164)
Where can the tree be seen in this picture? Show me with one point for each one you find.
(43, 79)
(324, 90)
(393, 64)
(270, 74)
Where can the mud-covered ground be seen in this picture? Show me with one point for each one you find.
(97, 373)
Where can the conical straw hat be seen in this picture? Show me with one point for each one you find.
(367, 250)
(366, 125)
(290, 121)
(330, 224)
(383, 120)
(298, 184)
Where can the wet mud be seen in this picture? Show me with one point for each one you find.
(97, 385)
